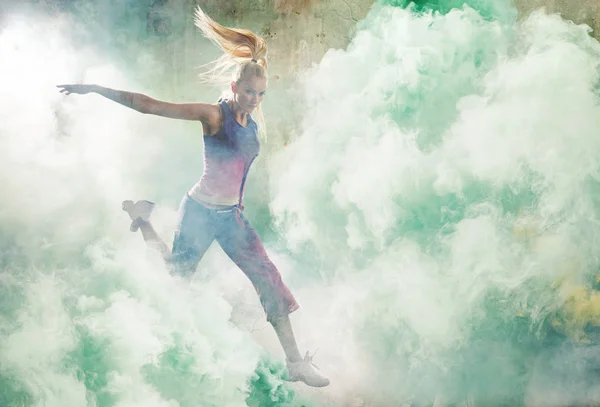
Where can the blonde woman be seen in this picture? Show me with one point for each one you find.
(212, 208)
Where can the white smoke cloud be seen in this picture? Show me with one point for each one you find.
(424, 145)
(83, 287)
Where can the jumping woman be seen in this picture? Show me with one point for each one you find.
(212, 208)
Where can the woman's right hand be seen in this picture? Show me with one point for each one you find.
(78, 89)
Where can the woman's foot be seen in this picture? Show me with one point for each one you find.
(138, 211)
(305, 371)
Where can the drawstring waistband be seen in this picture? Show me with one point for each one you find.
(228, 210)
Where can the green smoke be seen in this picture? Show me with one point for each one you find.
(437, 218)
(445, 184)
(488, 9)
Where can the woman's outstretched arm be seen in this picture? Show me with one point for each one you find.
(204, 112)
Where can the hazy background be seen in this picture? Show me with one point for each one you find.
(429, 191)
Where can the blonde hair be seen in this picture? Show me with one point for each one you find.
(244, 54)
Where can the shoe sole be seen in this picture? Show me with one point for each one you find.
(128, 206)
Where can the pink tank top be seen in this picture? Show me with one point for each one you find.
(228, 156)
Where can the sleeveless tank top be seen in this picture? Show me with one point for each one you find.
(228, 156)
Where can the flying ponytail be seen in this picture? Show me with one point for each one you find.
(244, 54)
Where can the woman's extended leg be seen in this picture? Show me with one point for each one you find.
(193, 235)
(242, 244)
(298, 369)
(285, 333)
(139, 212)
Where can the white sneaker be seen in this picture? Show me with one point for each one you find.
(305, 371)
(138, 212)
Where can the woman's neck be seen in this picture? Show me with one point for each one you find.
(238, 113)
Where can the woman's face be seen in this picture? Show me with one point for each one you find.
(249, 92)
